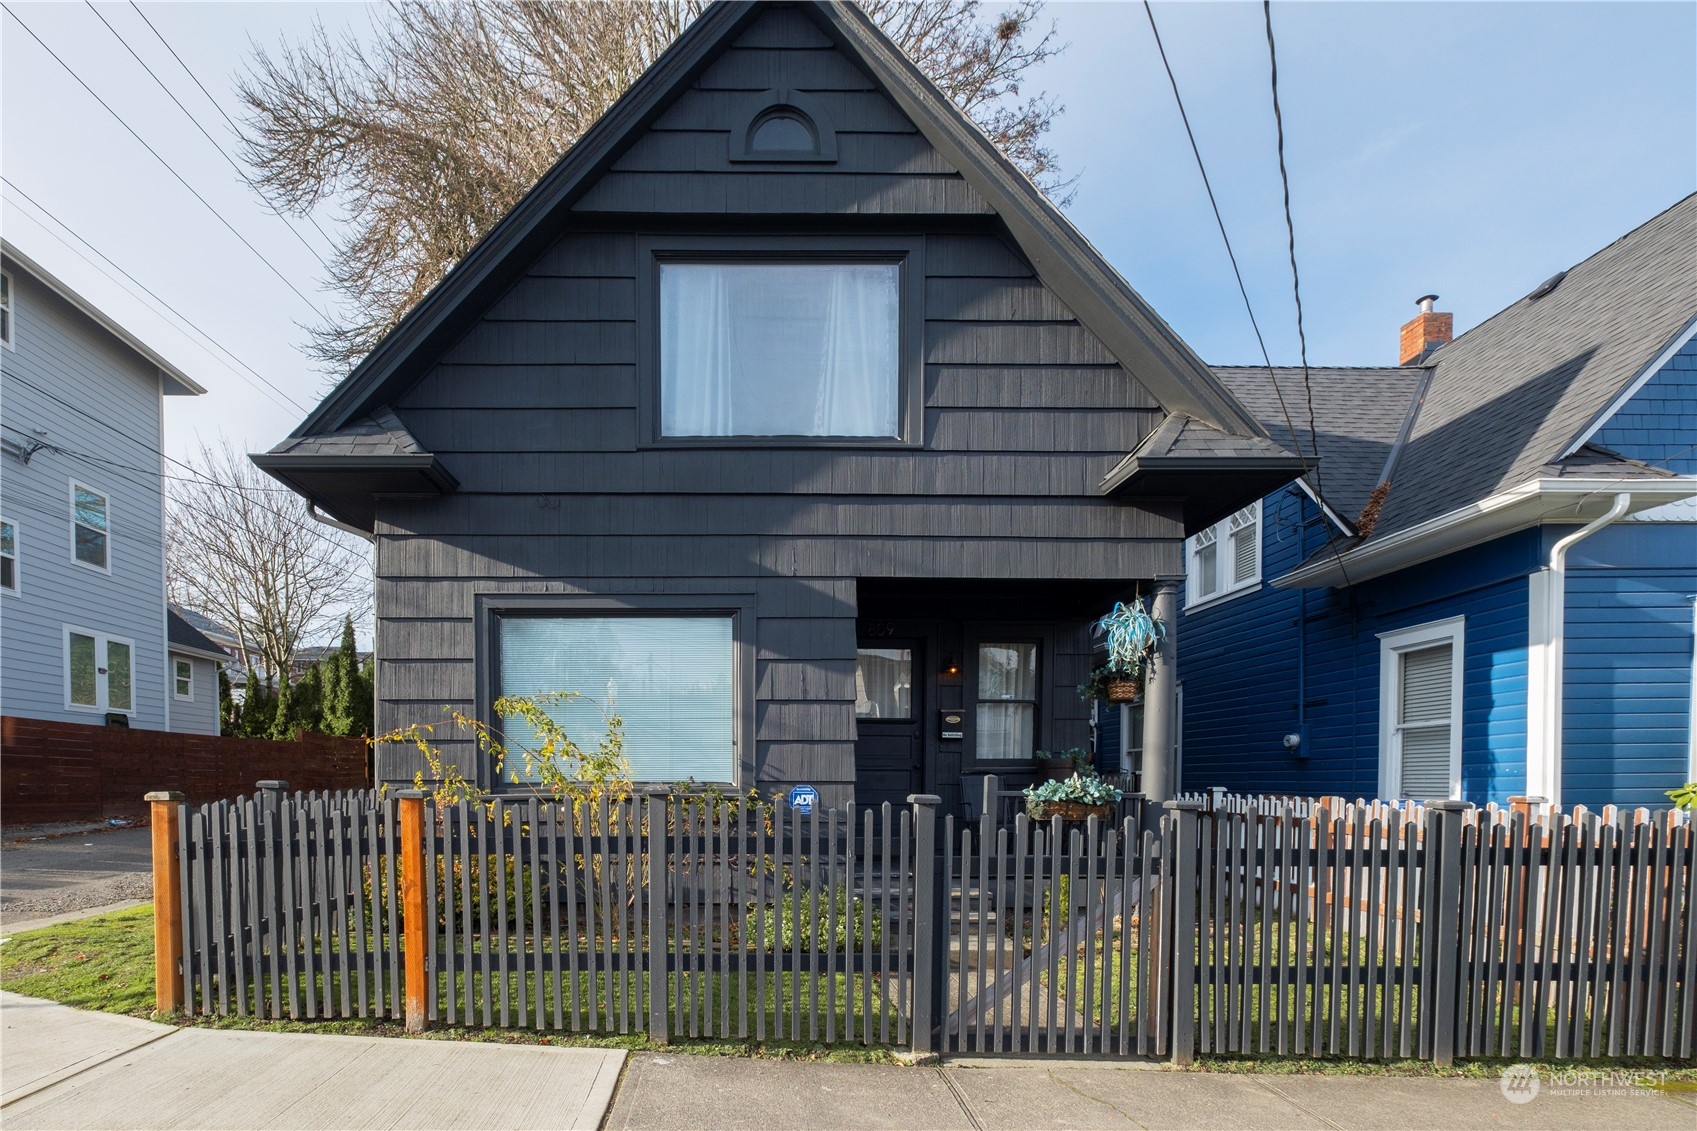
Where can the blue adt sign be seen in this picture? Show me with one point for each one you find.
(803, 798)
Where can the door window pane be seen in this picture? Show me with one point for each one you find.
(669, 677)
(779, 349)
(84, 690)
(117, 675)
(883, 683)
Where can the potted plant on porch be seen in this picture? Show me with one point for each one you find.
(1078, 798)
(1130, 634)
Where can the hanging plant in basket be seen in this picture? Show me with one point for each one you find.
(1130, 634)
(1080, 797)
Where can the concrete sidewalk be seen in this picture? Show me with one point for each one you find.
(66, 1068)
(662, 1091)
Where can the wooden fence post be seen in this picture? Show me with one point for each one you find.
(930, 891)
(1443, 846)
(166, 819)
(659, 937)
(413, 879)
(1181, 874)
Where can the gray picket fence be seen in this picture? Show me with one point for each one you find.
(731, 920)
(1211, 925)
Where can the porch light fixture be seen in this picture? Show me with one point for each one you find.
(951, 664)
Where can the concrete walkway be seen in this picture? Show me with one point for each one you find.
(70, 1069)
(661, 1091)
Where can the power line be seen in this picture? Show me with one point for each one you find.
(1248, 307)
(1290, 228)
(149, 292)
(216, 105)
(196, 123)
(168, 167)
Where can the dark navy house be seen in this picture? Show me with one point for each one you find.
(788, 418)
(1483, 587)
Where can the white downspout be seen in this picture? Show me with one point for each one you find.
(1547, 614)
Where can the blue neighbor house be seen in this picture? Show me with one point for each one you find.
(1483, 587)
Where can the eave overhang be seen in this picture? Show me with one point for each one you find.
(347, 487)
(1538, 501)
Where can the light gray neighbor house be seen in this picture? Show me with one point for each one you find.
(785, 415)
(83, 622)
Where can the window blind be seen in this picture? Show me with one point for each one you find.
(669, 677)
(1424, 722)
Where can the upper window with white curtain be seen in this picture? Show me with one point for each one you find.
(1224, 559)
(780, 349)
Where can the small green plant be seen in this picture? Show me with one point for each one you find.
(555, 767)
(857, 923)
(1685, 797)
(1130, 633)
(1084, 789)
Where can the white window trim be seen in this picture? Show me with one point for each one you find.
(175, 694)
(1222, 557)
(17, 585)
(101, 639)
(10, 336)
(71, 496)
(1392, 645)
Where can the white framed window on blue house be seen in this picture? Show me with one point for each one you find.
(1224, 559)
(91, 522)
(8, 555)
(5, 310)
(99, 671)
(1420, 696)
(671, 678)
(182, 675)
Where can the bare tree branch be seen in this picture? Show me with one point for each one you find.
(429, 135)
(248, 556)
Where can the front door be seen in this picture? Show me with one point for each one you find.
(889, 754)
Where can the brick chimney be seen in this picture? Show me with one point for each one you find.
(1425, 332)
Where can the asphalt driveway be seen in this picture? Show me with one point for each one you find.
(46, 876)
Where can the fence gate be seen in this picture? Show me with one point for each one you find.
(1055, 934)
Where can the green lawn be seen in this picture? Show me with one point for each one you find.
(105, 963)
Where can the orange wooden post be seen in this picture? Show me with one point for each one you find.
(166, 819)
(412, 904)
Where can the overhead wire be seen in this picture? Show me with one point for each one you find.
(215, 343)
(1249, 308)
(168, 166)
(194, 121)
(216, 105)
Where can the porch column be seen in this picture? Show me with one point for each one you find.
(1160, 701)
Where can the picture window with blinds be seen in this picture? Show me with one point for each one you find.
(1420, 702)
(1224, 559)
(671, 678)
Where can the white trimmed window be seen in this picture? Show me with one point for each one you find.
(91, 538)
(671, 678)
(182, 676)
(99, 671)
(5, 310)
(8, 555)
(1420, 696)
(1224, 559)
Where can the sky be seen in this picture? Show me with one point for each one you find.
(1470, 150)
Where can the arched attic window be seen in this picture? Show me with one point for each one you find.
(783, 125)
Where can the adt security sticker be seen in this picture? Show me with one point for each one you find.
(803, 798)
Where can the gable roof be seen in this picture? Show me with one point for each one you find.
(1515, 392)
(176, 382)
(1497, 433)
(181, 636)
(1358, 415)
(1063, 259)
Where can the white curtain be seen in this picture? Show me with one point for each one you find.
(779, 349)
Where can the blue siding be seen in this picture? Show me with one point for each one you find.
(1660, 421)
(1626, 686)
(1276, 662)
